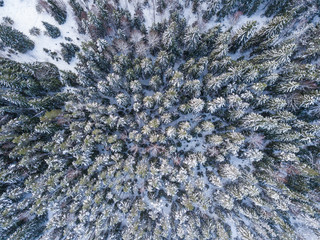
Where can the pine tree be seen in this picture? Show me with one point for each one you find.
(214, 135)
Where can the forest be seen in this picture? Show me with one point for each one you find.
(178, 119)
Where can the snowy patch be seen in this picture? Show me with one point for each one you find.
(25, 17)
(243, 19)
(194, 145)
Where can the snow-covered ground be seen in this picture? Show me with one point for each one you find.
(152, 16)
(25, 17)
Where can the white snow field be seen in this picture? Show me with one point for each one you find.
(25, 17)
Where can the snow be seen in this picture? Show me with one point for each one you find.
(25, 17)
(195, 145)
(190, 17)
(233, 228)
(50, 214)
(128, 6)
(151, 16)
(302, 226)
(316, 20)
(237, 161)
(243, 19)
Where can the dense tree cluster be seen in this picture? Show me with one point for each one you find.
(56, 8)
(52, 30)
(10, 37)
(69, 51)
(172, 132)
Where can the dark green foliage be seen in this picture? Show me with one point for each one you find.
(298, 183)
(59, 12)
(34, 31)
(27, 227)
(249, 7)
(69, 51)
(161, 5)
(27, 92)
(7, 21)
(77, 8)
(242, 35)
(52, 30)
(309, 44)
(215, 135)
(278, 6)
(15, 39)
(80, 13)
(69, 78)
(28, 80)
(52, 54)
(48, 76)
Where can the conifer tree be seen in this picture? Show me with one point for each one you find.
(207, 133)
